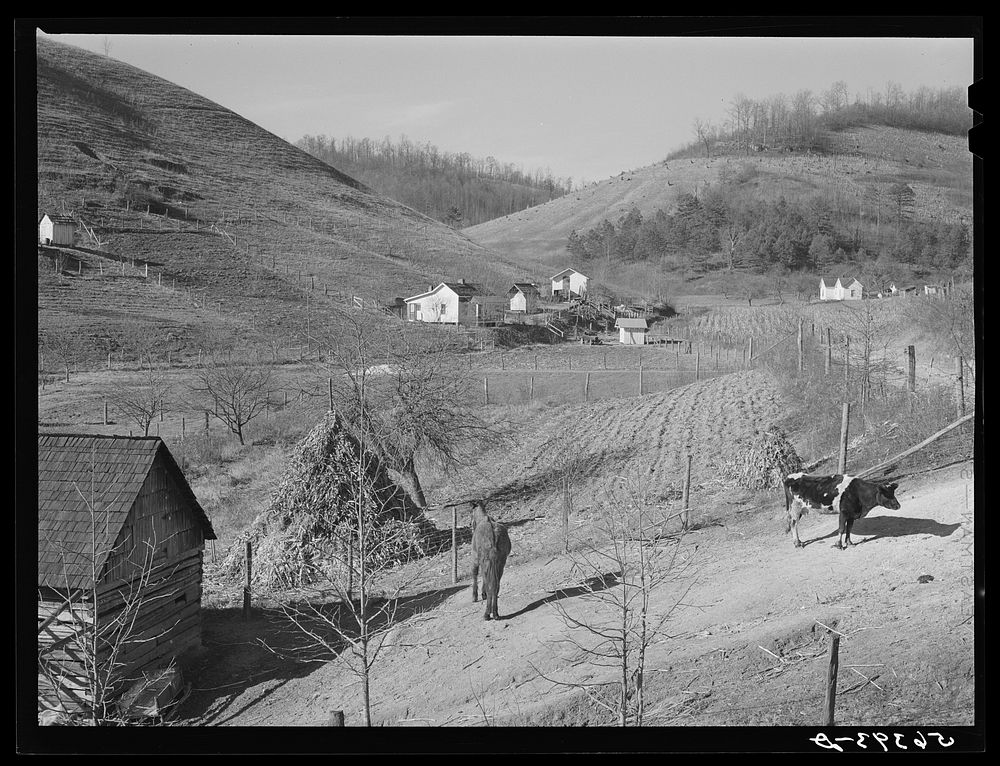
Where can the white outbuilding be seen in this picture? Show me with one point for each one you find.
(631, 332)
(523, 297)
(57, 230)
(570, 283)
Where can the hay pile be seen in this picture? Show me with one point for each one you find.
(301, 537)
(760, 460)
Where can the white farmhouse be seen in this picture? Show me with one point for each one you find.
(457, 303)
(57, 230)
(523, 297)
(569, 283)
(840, 289)
(631, 332)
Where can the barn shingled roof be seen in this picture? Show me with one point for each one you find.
(76, 471)
(55, 218)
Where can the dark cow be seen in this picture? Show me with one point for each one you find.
(849, 497)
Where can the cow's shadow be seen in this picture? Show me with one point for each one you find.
(877, 527)
(590, 585)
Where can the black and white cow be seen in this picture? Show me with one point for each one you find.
(849, 497)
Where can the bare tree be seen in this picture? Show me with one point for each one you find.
(365, 543)
(238, 390)
(142, 397)
(871, 327)
(622, 611)
(411, 401)
(705, 132)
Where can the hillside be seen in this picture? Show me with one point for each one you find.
(225, 215)
(745, 648)
(938, 167)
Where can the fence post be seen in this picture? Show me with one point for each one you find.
(586, 388)
(750, 353)
(697, 365)
(105, 412)
(454, 544)
(685, 518)
(844, 421)
(640, 380)
(565, 514)
(847, 363)
(206, 420)
(831, 678)
(330, 380)
(531, 388)
(959, 387)
(911, 369)
(829, 352)
(800, 344)
(246, 588)
(486, 390)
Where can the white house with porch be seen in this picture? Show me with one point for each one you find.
(457, 303)
(840, 289)
(570, 283)
(57, 230)
(631, 332)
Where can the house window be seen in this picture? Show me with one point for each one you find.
(444, 309)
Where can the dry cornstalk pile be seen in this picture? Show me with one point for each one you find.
(761, 460)
(303, 534)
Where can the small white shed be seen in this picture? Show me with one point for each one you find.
(631, 332)
(523, 297)
(569, 283)
(57, 230)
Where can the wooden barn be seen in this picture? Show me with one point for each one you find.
(120, 543)
(56, 230)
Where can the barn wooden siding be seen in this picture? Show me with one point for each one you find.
(149, 579)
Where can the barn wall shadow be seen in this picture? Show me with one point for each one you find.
(234, 658)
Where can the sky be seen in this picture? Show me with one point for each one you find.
(581, 107)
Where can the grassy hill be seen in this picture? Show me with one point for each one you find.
(938, 167)
(216, 218)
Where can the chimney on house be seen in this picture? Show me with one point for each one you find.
(430, 287)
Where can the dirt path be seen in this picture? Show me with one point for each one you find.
(747, 646)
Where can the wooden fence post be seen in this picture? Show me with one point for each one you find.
(454, 544)
(960, 386)
(531, 388)
(105, 412)
(829, 353)
(831, 679)
(640, 380)
(206, 420)
(246, 588)
(844, 421)
(800, 344)
(847, 363)
(330, 380)
(911, 369)
(586, 388)
(486, 389)
(685, 518)
(697, 365)
(565, 514)
(750, 353)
